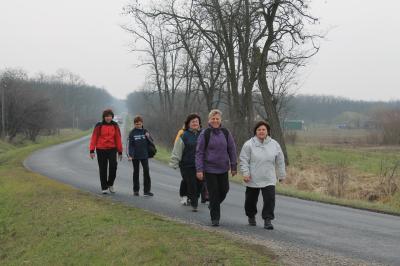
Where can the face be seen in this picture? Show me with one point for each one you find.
(108, 118)
(194, 124)
(139, 124)
(262, 132)
(215, 121)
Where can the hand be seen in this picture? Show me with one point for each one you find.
(200, 176)
(130, 158)
(147, 134)
(92, 155)
(246, 179)
(120, 157)
(234, 173)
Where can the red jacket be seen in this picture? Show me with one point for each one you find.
(106, 136)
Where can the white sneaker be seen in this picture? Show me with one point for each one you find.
(184, 200)
(105, 191)
(111, 188)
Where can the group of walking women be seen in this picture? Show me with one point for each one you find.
(205, 157)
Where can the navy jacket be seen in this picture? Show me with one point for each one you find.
(137, 148)
(189, 139)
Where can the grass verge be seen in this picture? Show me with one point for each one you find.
(286, 190)
(43, 222)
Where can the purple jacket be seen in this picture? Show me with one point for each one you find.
(219, 156)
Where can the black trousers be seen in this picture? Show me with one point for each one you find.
(193, 185)
(250, 204)
(183, 187)
(107, 160)
(218, 187)
(146, 175)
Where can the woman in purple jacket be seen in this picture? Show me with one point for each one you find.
(215, 156)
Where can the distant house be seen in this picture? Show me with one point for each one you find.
(293, 125)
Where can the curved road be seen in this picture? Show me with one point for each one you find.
(340, 231)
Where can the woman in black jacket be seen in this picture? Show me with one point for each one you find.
(138, 153)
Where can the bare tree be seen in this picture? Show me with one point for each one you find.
(234, 44)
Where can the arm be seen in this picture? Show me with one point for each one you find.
(232, 152)
(131, 145)
(176, 155)
(93, 139)
(245, 156)
(200, 153)
(118, 140)
(280, 163)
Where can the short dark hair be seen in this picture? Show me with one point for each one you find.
(262, 123)
(137, 119)
(108, 112)
(190, 118)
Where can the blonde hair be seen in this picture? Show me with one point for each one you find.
(214, 112)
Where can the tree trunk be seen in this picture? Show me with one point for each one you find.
(272, 114)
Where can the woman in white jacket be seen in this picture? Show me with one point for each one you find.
(262, 163)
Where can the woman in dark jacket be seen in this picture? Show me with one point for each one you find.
(139, 154)
(106, 141)
(183, 155)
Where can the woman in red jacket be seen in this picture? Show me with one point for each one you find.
(106, 141)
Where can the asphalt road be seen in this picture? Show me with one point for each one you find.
(347, 232)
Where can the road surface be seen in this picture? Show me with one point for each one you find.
(341, 231)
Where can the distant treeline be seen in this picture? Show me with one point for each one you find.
(45, 104)
(326, 109)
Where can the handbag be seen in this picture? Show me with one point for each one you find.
(151, 147)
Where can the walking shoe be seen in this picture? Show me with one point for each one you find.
(184, 200)
(105, 191)
(148, 194)
(194, 209)
(135, 193)
(215, 222)
(268, 225)
(252, 221)
(111, 188)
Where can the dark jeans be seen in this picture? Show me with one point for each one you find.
(250, 204)
(193, 185)
(107, 160)
(146, 175)
(218, 187)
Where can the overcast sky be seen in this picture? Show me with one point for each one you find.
(358, 60)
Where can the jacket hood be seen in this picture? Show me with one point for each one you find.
(258, 142)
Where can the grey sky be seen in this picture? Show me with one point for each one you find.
(358, 59)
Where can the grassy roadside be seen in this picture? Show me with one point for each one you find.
(287, 190)
(43, 222)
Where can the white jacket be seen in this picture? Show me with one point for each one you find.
(262, 161)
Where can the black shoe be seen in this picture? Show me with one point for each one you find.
(215, 222)
(148, 194)
(268, 225)
(135, 193)
(194, 209)
(252, 221)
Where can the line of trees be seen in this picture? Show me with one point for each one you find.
(324, 109)
(45, 104)
(239, 55)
